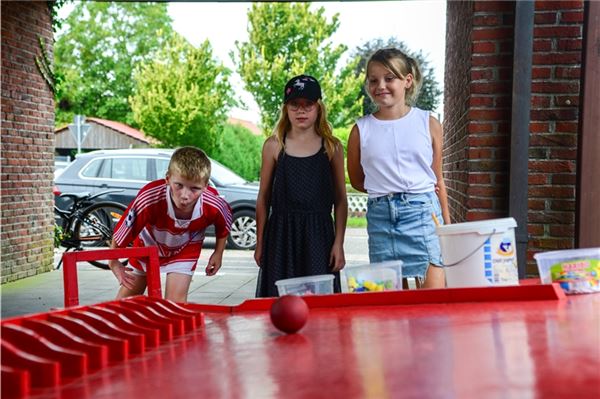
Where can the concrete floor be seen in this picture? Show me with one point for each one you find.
(234, 283)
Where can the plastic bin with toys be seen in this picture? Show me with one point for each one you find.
(374, 277)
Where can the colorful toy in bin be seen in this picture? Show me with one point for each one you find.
(576, 270)
(375, 277)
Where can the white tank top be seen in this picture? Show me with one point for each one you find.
(396, 155)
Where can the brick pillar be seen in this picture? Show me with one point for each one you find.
(477, 123)
(27, 143)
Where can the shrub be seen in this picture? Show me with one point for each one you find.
(240, 151)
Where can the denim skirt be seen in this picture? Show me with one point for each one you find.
(401, 226)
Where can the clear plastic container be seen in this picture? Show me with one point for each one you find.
(321, 284)
(383, 276)
(576, 270)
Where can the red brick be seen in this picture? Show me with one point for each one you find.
(570, 44)
(537, 179)
(488, 114)
(546, 18)
(544, 140)
(480, 127)
(566, 101)
(487, 20)
(484, 47)
(541, 72)
(567, 72)
(503, 6)
(536, 204)
(482, 74)
(491, 34)
(479, 178)
(559, 5)
(566, 178)
(539, 127)
(548, 192)
(554, 114)
(557, 58)
(491, 60)
(480, 101)
(540, 101)
(555, 87)
(571, 16)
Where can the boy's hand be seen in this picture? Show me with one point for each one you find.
(214, 264)
(124, 277)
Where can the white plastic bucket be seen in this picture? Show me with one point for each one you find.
(482, 253)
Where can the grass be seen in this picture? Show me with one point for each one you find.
(356, 222)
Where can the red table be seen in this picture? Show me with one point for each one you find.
(505, 342)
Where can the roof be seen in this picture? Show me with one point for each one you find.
(247, 124)
(118, 127)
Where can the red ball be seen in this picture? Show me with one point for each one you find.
(289, 313)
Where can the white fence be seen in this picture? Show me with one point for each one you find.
(357, 204)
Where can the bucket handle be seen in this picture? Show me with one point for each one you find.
(472, 252)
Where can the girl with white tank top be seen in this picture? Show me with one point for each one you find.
(395, 155)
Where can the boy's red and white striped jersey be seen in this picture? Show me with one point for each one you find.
(150, 221)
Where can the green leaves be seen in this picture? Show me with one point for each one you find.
(287, 39)
(102, 44)
(183, 96)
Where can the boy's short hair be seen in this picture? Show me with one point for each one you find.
(190, 163)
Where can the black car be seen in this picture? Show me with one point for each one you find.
(129, 170)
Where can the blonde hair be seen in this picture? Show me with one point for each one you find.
(322, 128)
(190, 163)
(400, 65)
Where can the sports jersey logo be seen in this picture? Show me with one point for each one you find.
(130, 220)
(505, 248)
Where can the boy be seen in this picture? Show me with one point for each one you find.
(173, 214)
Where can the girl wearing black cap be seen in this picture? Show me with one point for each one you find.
(301, 181)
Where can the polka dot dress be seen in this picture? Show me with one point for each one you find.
(299, 233)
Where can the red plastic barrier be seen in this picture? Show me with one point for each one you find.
(15, 382)
(73, 363)
(97, 354)
(45, 350)
(44, 372)
(70, 260)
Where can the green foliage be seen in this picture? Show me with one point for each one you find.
(343, 133)
(102, 44)
(356, 222)
(287, 39)
(59, 235)
(53, 7)
(240, 151)
(430, 94)
(182, 97)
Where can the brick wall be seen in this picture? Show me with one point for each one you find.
(478, 116)
(27, 143)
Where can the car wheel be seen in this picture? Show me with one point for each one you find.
(243, 230)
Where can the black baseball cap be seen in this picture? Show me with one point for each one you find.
(302, 86)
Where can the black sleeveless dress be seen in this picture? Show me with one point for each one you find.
(299, 232)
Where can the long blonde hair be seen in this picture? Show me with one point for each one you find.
(322, 128)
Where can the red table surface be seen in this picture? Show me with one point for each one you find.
(519, 349)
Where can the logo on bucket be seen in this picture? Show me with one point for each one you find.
(506, 247)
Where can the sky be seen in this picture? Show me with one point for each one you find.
(421, 25)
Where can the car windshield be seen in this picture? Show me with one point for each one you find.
(224, 176)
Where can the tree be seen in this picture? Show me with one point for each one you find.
(101, 45)
(429, 96)
(183, 96)
(287, 39)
